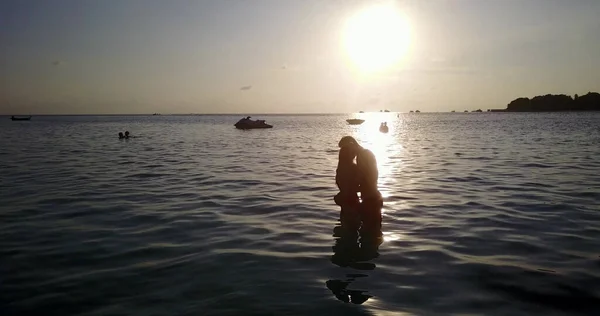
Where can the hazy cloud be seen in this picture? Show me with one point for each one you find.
(440, 70)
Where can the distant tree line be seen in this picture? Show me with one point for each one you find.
(556, 102)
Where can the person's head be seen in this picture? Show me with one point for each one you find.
(367, 165)
(348, 141)
(366, 159)
(346, 155)
(350, 144)
(120, 134)
(126, 133)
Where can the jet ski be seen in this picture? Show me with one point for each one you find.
(247, 123)
(14, 118)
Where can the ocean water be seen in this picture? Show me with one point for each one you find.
(484, 214)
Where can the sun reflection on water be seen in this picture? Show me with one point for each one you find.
(383, 145)
(391, 236)
(388, 151)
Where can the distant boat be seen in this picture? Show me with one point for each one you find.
(355, 121)
(417, 111)
(452, 111)
(478, 110)
(466, 111)
(247, 123)
(20, 118)
(361, 111)
(411, 111)
(386, 110)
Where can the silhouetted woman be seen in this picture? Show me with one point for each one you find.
(346, 178)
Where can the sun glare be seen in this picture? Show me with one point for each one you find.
(382, 145)
(376, 38)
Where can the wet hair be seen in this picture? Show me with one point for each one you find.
(346, 155)
(347, 141)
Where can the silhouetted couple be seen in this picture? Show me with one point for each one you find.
(356, 214)
(126, 136)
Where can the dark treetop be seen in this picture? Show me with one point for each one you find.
(559, 102)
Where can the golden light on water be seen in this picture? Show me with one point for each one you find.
(383, 145)
(387, 148)
(376, 38)
(388, 151)
(390, 236)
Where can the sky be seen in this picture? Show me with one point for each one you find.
(287, 56)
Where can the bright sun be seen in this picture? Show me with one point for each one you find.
(376, 38)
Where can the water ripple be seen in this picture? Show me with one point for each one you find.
(484, 214)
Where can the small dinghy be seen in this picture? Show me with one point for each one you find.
(355, 121)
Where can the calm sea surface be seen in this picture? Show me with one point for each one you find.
(485, 213)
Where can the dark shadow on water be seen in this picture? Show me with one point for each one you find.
(352, 250)
(544, 288)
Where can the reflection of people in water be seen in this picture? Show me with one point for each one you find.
(342, 293)
(367, 174)
(353, 253)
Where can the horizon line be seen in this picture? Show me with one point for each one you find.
(214, 114)
(221, 114)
